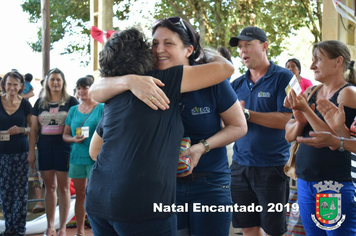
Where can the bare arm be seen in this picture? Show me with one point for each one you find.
(29, 121)
(206, 75)
(95, 146)
(67, 136)
(145, 87)
(32, 141)
(275, 120)
(303, 114)
(326, 139)
(142, 87)
(335, 116)
(235, 128)
(29, 94)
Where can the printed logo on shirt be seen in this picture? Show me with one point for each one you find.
(264, 94)
(328, 205)
(52, 122)
(200, 110)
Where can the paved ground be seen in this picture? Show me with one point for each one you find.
(72, 232)
(88, 232)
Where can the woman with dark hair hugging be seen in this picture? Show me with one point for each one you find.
(137, 148)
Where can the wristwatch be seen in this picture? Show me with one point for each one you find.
(247, 113)
(206, 145)
(341, 148)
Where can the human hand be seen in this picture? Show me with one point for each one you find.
(78, 139)
(194, 152)
(146, 89)
(320, 140)
(334, 116)
(208, 56)
(292, 101)
(16, 130)
(31, 159)
(299, 116)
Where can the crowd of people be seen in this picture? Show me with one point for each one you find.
(119, 139)
(50, 127)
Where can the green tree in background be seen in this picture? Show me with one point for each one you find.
(69, 17)
(217, 21)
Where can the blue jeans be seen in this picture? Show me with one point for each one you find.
(212, 190)
(307, 202)
(161, 227)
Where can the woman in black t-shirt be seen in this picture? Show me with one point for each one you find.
(15, 116)
(48, 121)
(140, 169)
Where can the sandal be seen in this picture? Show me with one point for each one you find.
(62, 233)
(38, 209)
(50, 232)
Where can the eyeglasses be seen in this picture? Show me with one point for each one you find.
(174, 21)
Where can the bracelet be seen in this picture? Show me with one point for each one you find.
(206, 145)
(25, 132)
(341, 148)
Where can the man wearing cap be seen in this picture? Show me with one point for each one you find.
(259, 157)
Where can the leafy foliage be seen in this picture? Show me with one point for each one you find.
(69, 17)
(217, 21)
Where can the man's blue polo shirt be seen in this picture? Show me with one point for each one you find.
(263, 146)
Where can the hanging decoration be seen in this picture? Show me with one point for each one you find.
(344, 10)
(100, 35)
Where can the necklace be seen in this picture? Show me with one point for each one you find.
(86, 108)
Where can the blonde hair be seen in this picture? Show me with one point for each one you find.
(46, 95)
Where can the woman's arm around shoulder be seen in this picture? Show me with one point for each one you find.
(143, 87)
(205, 75)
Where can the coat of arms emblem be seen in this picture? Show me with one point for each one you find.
(328, 205)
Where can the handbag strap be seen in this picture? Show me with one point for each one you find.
(313, 91)
(88, 115)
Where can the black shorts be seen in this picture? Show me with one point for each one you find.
(53, 157)
(261, 194)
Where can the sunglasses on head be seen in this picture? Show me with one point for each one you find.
(174, 21)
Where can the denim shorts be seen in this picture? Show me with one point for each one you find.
(53, 157)
(307, 205)
(161, 227)
(264, 191)
(211, 191)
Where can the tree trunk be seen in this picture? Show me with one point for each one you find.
(46, 37)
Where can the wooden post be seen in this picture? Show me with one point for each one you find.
(46, 37)
(101, 14)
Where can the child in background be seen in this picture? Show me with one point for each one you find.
(28, 90)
